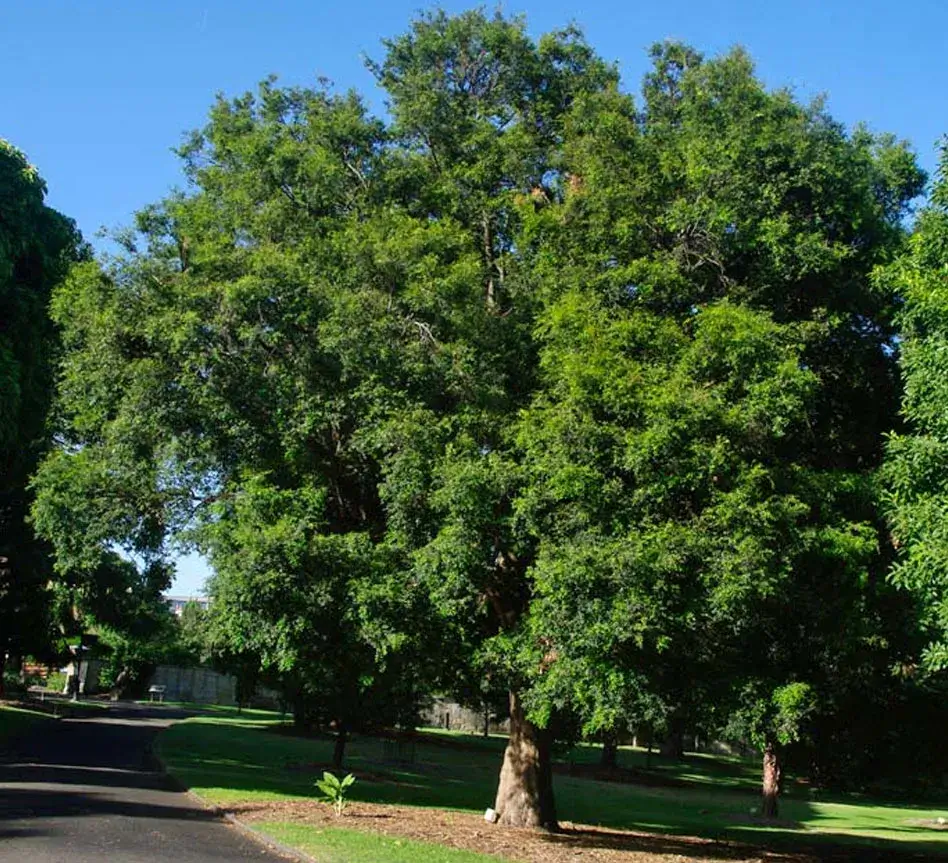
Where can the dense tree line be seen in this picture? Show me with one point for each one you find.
(37, 246)
(532, 387)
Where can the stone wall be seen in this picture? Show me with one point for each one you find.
(195, 684)
(454, 717)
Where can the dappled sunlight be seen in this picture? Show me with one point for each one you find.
(230, 764)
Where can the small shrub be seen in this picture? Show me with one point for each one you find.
(334, 791)
(55, 681)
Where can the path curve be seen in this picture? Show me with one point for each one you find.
(89, 790)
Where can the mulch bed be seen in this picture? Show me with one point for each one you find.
(576, 842)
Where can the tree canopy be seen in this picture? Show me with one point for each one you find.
(527, 385)
(37, 246)
(916, 472)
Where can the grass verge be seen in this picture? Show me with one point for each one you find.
(339, 845)
(15, 721)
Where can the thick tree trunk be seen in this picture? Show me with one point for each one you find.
(525, 791)
(339, 749)
(610, 751)
(771, 784)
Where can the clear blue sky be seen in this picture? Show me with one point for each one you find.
(97, 92)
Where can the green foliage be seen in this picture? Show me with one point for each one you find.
(37, 245)
(56, 681)
(529, 388)
(334, 791)
(193, 636)
(917, 467)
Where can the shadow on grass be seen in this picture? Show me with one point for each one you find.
(828, 847)
(233, 763)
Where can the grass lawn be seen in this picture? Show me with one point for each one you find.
(339, 845)
(15, 721)
(232, 759)
(222, 710)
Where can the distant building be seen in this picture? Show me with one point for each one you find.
(177, 603)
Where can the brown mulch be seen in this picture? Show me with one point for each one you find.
(575, 844)
(928, 823)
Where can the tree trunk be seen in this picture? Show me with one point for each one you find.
(673, 746)
(488, 260)
(610, 751)
(771, 785)
(3, 666)
(300, 713)
(525, 791)
(339, 750)
(486, 720)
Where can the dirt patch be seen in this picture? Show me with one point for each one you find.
(576, 843)
(929, 823)
(760, 821)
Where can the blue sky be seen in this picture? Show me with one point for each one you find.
(97, 93)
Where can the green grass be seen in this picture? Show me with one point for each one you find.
(15, 721)
(226, 760)
(338, 845)
(223, 710)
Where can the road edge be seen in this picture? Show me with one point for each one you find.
(230, 818)
(264, 838)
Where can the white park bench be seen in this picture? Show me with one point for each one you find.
(154, 691)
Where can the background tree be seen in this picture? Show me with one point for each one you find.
(916, 473)
(37, 245)
(685, 510)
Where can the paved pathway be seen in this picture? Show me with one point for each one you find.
(89, 790)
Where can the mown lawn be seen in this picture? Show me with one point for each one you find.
(339, 845)
(227, 760)
(15, 721)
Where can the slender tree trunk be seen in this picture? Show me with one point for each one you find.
(300, 719)
(673, 746)
(486, 720)
(610, 751)
(3, 667)
(525, 791)
(339, 749)
(771, 784)
(488, 260)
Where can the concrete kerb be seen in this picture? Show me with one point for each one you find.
(234, 821)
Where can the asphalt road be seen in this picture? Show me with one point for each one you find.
(89, 790)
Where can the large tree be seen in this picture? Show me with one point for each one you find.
(37, 245)
(718, 376)
(572, 396)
